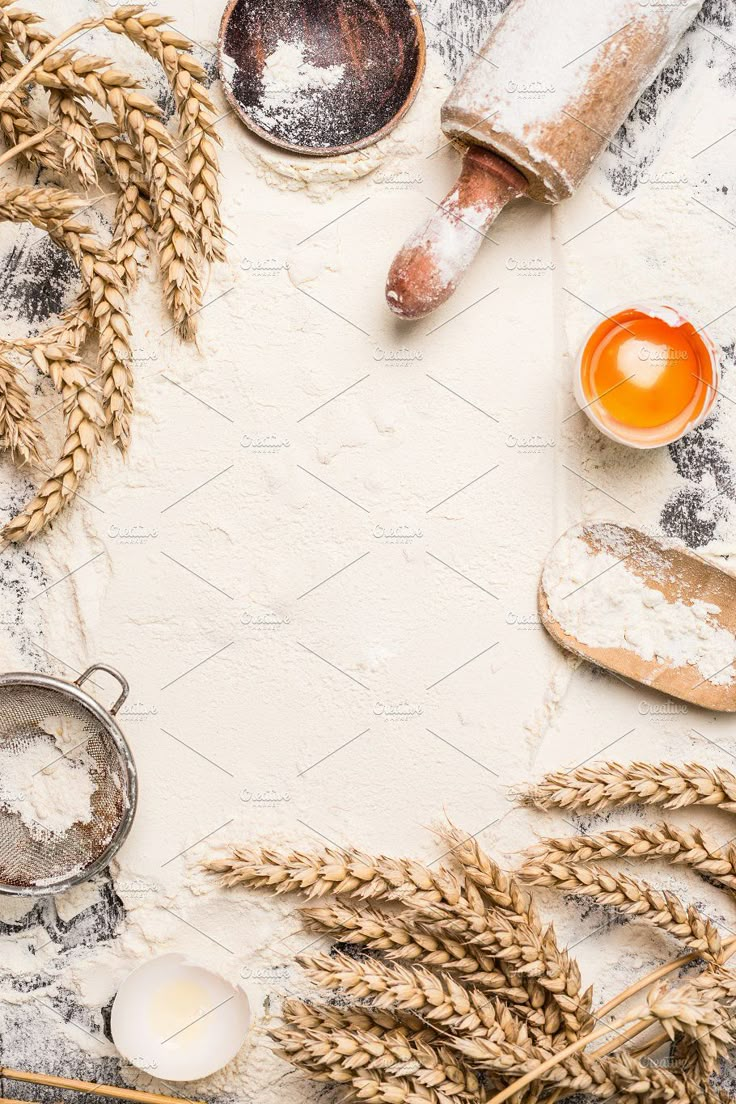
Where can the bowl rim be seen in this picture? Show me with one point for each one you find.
(645, 306)
(324, 151)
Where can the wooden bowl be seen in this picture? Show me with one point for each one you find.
(363, 62)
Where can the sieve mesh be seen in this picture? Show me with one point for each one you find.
(32, 860)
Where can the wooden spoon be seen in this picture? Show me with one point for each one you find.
(680, 575)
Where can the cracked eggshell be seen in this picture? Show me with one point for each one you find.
(178, 1021)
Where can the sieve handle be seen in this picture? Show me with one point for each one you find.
(116, 675)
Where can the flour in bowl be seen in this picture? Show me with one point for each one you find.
(294, 90)
(595, 597)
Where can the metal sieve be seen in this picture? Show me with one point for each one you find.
(34, 863)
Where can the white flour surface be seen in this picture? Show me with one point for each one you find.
(319, 562)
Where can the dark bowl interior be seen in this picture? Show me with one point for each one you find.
(378, 43)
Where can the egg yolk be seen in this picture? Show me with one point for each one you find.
(639, 373)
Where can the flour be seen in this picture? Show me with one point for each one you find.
(397, 620)
(287, 76)
(416, 134)
(47, 791)
(69, 734)
(596, 598)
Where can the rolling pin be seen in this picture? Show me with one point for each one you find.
(545, 94)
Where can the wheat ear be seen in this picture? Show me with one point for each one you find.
(375, 1021)
(87, 76)
(335, 872)
(532, 954)
(701, 1012)
(133, 213)
(684, 846)
(561, 976)
(436, 998)
(19, 430)
(84, 421)
(16, 120)
(634, 898)
(604, 786)
(407, 941)
(398, 1052)
(372, 1085)
(196, 113)
(47, 208)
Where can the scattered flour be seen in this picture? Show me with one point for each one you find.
(321, 177)
(597, 599)
(45, 789)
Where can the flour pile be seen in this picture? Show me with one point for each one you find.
(597, 599)
(296, 99)
(39, 781)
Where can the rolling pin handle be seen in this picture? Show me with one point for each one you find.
(432, 262)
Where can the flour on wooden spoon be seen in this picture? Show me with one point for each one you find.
(596, 598)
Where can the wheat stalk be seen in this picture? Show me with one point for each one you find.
(376, 1042)
(196, 111)
(335, 872)
(605, 786)
(684, 846)
(17, 123)
(622, 1076)
(634, 898)
(73, 119)
(700, 1011)
(19, 430)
